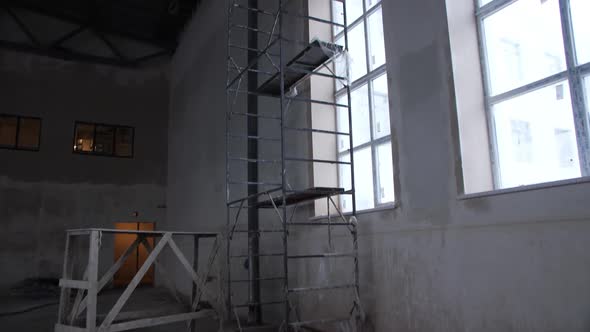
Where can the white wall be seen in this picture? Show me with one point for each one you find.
(510, 262)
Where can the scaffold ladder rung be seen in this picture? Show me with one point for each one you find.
(250, 304)
(325, 255)
(320, 288)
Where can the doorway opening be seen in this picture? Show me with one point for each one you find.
(132, 264)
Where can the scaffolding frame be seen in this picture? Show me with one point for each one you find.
(278, 196)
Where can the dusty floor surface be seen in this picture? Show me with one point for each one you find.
(39, 314)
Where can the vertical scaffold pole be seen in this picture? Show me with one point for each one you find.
(254, 312)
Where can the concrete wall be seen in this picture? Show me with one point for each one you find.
(439, 261)
(43, 193)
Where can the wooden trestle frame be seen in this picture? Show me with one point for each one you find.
(70, 309)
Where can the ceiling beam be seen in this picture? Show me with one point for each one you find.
(90, 23)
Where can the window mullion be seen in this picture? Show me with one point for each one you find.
(17, 132)
(492, 141)
(576, 88)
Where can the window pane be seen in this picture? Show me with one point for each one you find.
(357, 56)
(484, 2)
(376, 41)
(535, 137)
(385, 173)
(363, 172)
(105, 138)
(581, 21)
(124, 142)
(345, 182)
(381, 125)
(370, 3)
(28, 133)
(342, 123)
(361, 125)
(8, 131)
(354, 10)
(523, 44)
(84, 137)
(337, 15)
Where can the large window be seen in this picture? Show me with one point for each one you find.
(20, 133)
(369, 106)
(536, 66)
(104, 140)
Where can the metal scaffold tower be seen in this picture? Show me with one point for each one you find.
(287, 270)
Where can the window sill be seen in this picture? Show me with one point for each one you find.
(385, 207)
(530, 187)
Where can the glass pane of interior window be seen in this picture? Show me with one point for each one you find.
(357, 56)
(361, 125)
(376, 41)
(105, 138)
(523, 44)
(581, 22)
(84, 139)
(381, 124)
(363, 173)
(535, 137)
(370, 3)
(385, 173)
(484, 2)
(8, 130)
(124, 142)
(342, 123)
(29, 133)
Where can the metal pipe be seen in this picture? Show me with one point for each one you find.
(254, 312)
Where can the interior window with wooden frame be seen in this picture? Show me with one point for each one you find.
(20, 132)
(103, 139)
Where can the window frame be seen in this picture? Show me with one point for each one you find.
(18, 120)
(367, 79)
(574, 74)
(114, 127)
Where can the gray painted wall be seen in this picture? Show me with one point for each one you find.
(43, 193)
(438, 261)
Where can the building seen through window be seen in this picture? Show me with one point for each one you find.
(536, 67)
(21, 133)
(100, 139)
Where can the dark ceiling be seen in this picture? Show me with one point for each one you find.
(117, 32)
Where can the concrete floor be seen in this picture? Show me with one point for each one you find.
(20, 313)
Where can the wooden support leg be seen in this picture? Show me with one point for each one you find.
(78, 300)
(195, 297)
(64, 296)
(92, 282)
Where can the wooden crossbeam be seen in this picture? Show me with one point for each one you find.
(78, 300)
(104, 327)
(92, 296)
(162, 271)
(107, 277)
(136, 324)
